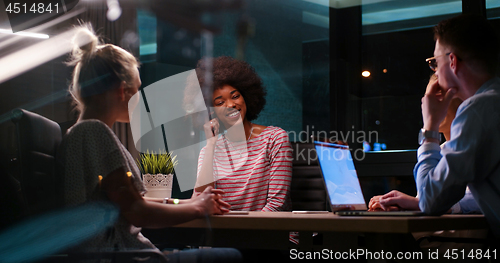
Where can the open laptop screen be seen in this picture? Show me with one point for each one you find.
(340, 176)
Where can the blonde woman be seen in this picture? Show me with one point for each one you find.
(97, 167)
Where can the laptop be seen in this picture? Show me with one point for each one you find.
(342, 183)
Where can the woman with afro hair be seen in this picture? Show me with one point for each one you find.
(252, 163)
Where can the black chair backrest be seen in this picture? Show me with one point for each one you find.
(13, 207)
(37, 139)
(307, 189)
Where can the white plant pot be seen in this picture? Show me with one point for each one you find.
(158, 185)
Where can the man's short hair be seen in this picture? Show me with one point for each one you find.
(472, 38)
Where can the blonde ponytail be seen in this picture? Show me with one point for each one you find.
(84, 34)
(97, 67)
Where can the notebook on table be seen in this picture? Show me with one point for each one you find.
(342, 183)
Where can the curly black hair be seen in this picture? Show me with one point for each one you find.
(238, 74)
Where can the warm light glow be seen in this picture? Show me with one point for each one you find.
(24, 34)
(114, 10)
(385, 70)
(365, 73)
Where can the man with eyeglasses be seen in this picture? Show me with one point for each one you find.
(465, 60)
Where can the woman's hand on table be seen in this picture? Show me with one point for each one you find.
(210, 202)
(221, 205)
(218, 199)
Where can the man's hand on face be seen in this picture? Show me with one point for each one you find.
(435, 104)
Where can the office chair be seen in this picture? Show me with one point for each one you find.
(307, 188)
(37, 140)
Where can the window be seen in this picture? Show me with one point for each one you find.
(396, 38)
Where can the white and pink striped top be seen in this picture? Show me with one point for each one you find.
(255, 175)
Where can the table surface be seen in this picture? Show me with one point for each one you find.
(330, 222)
(270, 230)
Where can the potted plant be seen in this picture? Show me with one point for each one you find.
(157, 172)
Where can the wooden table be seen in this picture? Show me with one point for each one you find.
(270, 230)
(334, 223)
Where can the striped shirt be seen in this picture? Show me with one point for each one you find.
(256, 174)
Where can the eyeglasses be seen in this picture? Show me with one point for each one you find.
(433, 63)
